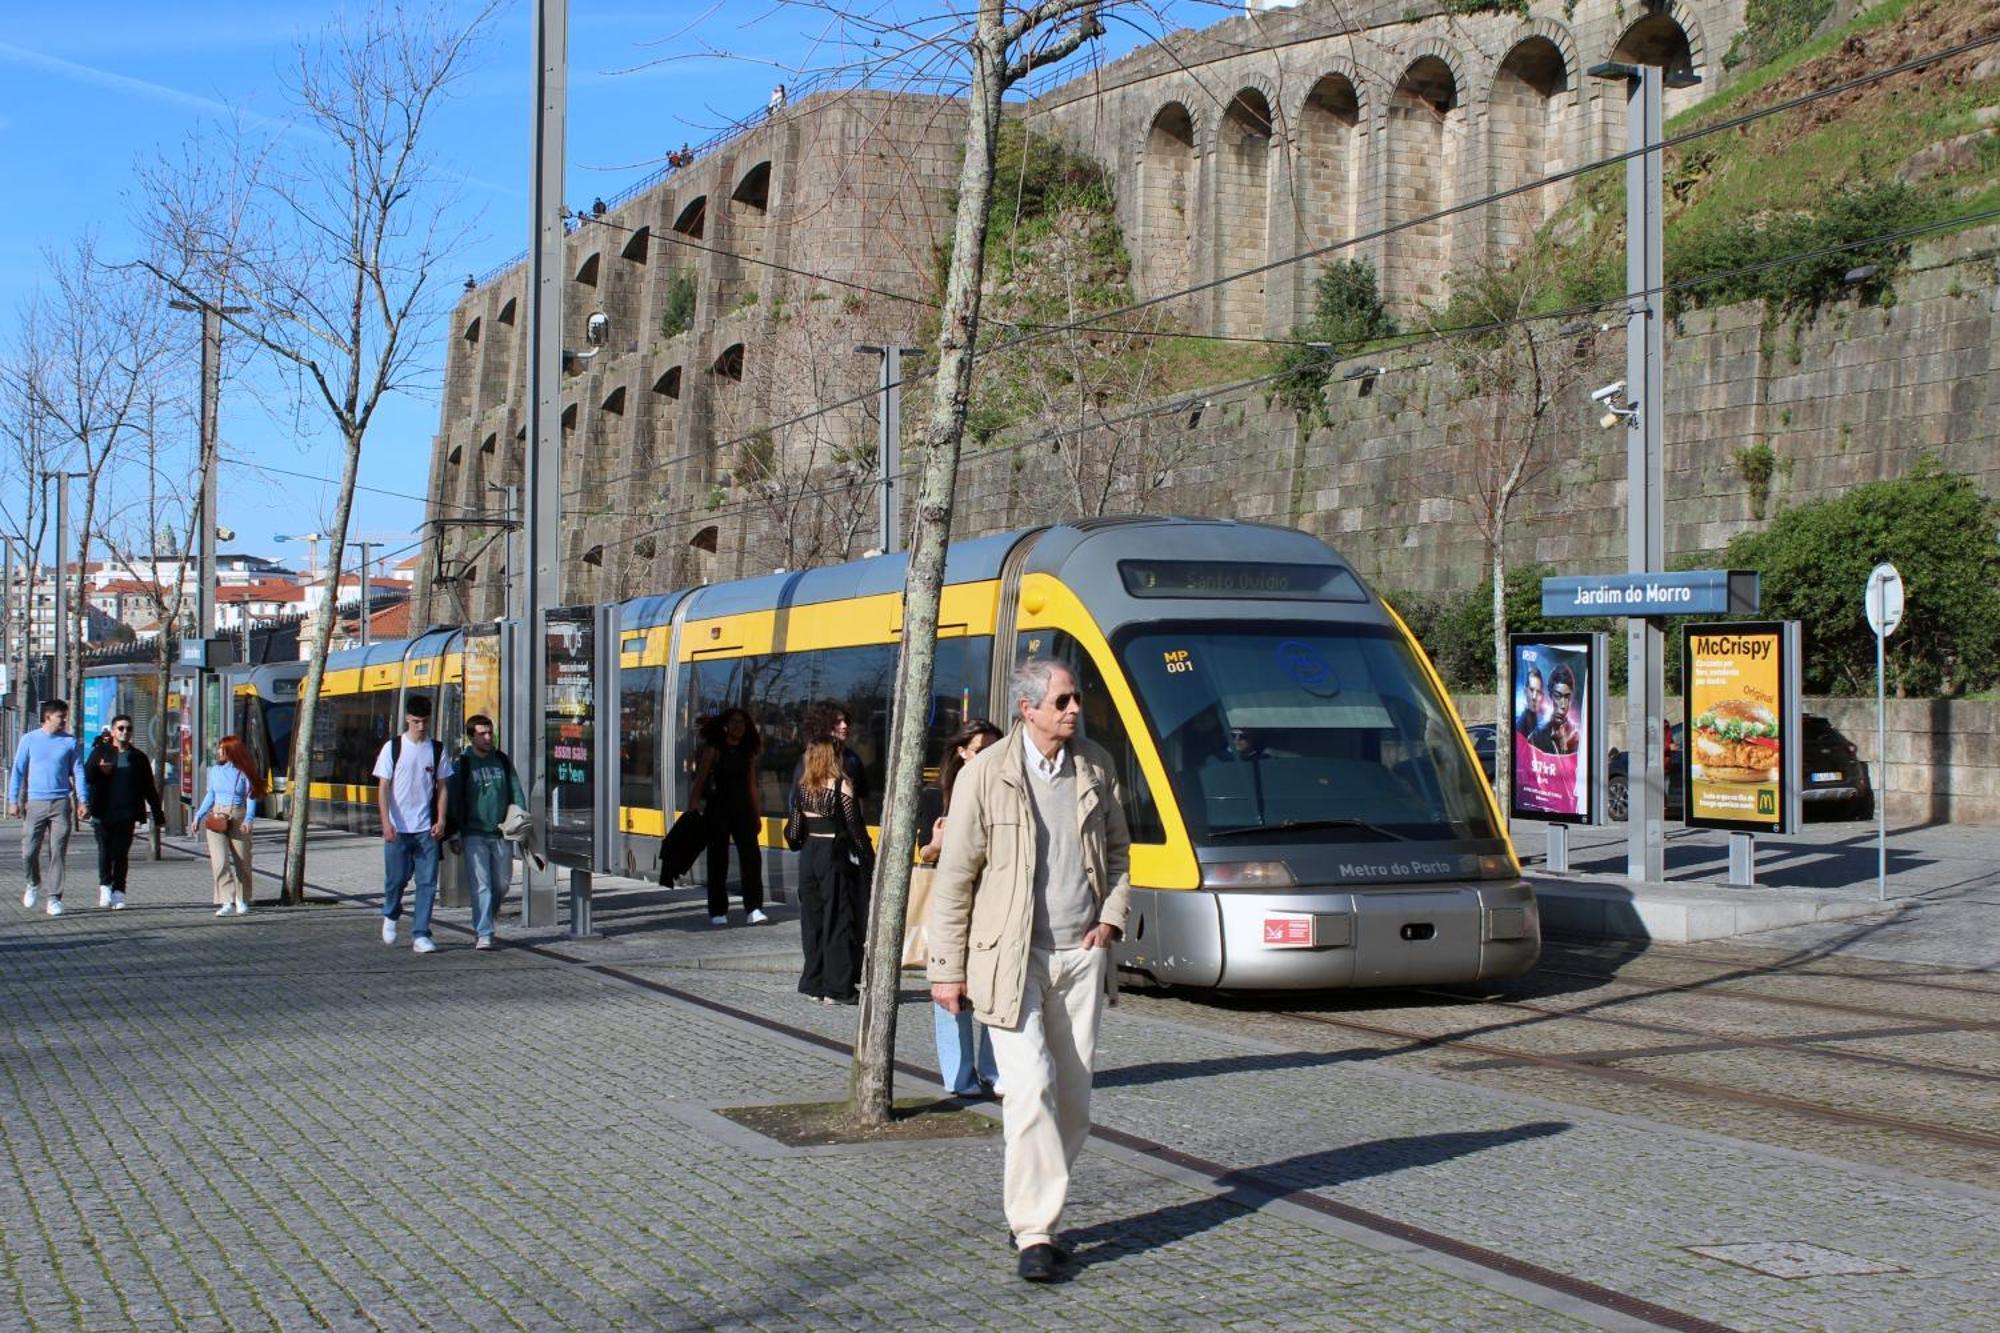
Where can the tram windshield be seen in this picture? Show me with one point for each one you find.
(1304, 733)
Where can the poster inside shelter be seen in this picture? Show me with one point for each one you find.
(1735, 706)
(1551, 712)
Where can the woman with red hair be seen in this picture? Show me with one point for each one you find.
(233, 788)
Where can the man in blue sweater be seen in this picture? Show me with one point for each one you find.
(48, 779)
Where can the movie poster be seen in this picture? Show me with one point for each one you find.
(1735, 677)
(1553, 681)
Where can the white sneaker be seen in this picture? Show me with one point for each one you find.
(241, 908)
(29, 895)
(422, 944)
(224, 910)
(55, 907)
(104, 895)
(117, 899)
(757, 918)
(388, 930)
(718, 921)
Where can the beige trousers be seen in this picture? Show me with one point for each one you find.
(229, 858)
(1045, 1066)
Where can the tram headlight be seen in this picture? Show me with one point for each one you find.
(1248, 875)
(1495, 866)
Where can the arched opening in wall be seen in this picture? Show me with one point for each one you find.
(636, 248)
(1167, 168)
(749, 213)
(1243, 210)
(1424, 155)
(614, 402)
(587, 274)
(457, 455)
(1328, 167)
(1656, 39)
(669, 384)
(754, 190)
(472, 332)
(491, 444)
(1527, 138)
(506, 315)
(730, 364)
(568, 420)
(693, 220)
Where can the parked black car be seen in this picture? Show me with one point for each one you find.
(1486, 748)
(1835, 781)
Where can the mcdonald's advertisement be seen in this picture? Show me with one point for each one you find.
(1742, 716)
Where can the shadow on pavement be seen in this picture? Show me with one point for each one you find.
(1253, 1187)
(1161, 1071)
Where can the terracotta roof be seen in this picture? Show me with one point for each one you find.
(391, 623)
(263, 590)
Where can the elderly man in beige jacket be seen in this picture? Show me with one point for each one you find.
(1031, 891)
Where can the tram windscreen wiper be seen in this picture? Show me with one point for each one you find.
(1306, 825)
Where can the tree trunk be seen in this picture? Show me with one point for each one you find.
(300, 789)
(872, 1085)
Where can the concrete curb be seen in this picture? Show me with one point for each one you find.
(1684, 913)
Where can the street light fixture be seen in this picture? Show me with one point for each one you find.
(312, 541)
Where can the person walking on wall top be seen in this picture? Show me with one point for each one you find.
(47, 780)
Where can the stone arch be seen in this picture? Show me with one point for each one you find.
(1243, 208)
(749, 211)
(1528, 111)
(729, 365)
(506, 315)
(472, 331)
(614, 402)
(1425, 151)
(1169, 173)
(586, 275)
(636, 248)
(1328, 172)
(668, 385)
(1667, 35)
(693, 219)
(491, 444)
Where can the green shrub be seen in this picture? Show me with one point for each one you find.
(1347, 312)
(1939, 532)
(677, 310)
(1773, 27)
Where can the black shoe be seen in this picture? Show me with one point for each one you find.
(1041, 1263)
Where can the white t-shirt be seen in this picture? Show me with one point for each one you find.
(412, 799)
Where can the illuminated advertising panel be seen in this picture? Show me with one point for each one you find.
(1557, 732)
(569, 732)
(1741, 756)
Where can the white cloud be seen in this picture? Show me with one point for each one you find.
(125, 83)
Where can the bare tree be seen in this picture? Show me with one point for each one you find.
(331, 237)
(1513, 371)
(1002, 47)
(30, 454)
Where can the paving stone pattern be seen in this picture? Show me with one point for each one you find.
(276, 1121)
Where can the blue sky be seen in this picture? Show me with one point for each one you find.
(86, 100)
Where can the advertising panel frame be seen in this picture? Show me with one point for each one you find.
(568, 736)
(1787, 676)
(1593, 696)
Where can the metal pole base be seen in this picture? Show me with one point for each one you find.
(1743, 860)
(538, 895)
(579, 905)
(1558, 856)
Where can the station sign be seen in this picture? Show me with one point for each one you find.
(1558, 734)
(1742, 754)
(1688, 592)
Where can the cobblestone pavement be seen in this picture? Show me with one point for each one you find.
(277, 1121)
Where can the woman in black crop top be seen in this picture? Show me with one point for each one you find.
(836, 863)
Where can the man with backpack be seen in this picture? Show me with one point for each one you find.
(411, 773)
(482, 785)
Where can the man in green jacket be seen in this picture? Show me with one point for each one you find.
(1031, 890)
(483, 785)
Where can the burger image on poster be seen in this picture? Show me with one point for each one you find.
(1735, 741)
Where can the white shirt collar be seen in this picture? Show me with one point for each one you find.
(1048, 770)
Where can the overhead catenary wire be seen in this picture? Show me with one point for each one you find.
(1485, 200)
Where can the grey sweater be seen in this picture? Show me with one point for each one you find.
(1064, 907)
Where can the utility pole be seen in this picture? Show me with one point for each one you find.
(7, 730)
(542, 586)
(889, 442)
(1645, 479)
(366, 547)
(59, 684)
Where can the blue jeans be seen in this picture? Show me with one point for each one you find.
(956, 1034)
(410, 853)
(489, 864)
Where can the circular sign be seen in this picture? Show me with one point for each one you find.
(1313, 673)
(1884, 599)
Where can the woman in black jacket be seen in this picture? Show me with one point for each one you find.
(118, 790)
(725, 791)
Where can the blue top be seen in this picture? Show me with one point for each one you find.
(50, 766)
(227, 785)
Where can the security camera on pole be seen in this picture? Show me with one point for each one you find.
(1884, 604)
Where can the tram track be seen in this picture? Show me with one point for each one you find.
(1593, 1068)
(1807, 1044)
(1749, 967)
(1724, 987)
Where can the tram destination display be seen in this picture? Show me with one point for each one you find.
(569, 732)
(1240, 579)
(1741, 756)
(1557, 731)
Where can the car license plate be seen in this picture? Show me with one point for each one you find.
(1290, 930)
(1826, 777)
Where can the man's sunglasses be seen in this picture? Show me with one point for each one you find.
(123, 726)
(1061, 702)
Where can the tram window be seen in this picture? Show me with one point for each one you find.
(706, 688)
(958, 691)
(778, 693)
(639, 737)
(1101, 723)
(450, 718)
(861, 680)
(278, 726)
